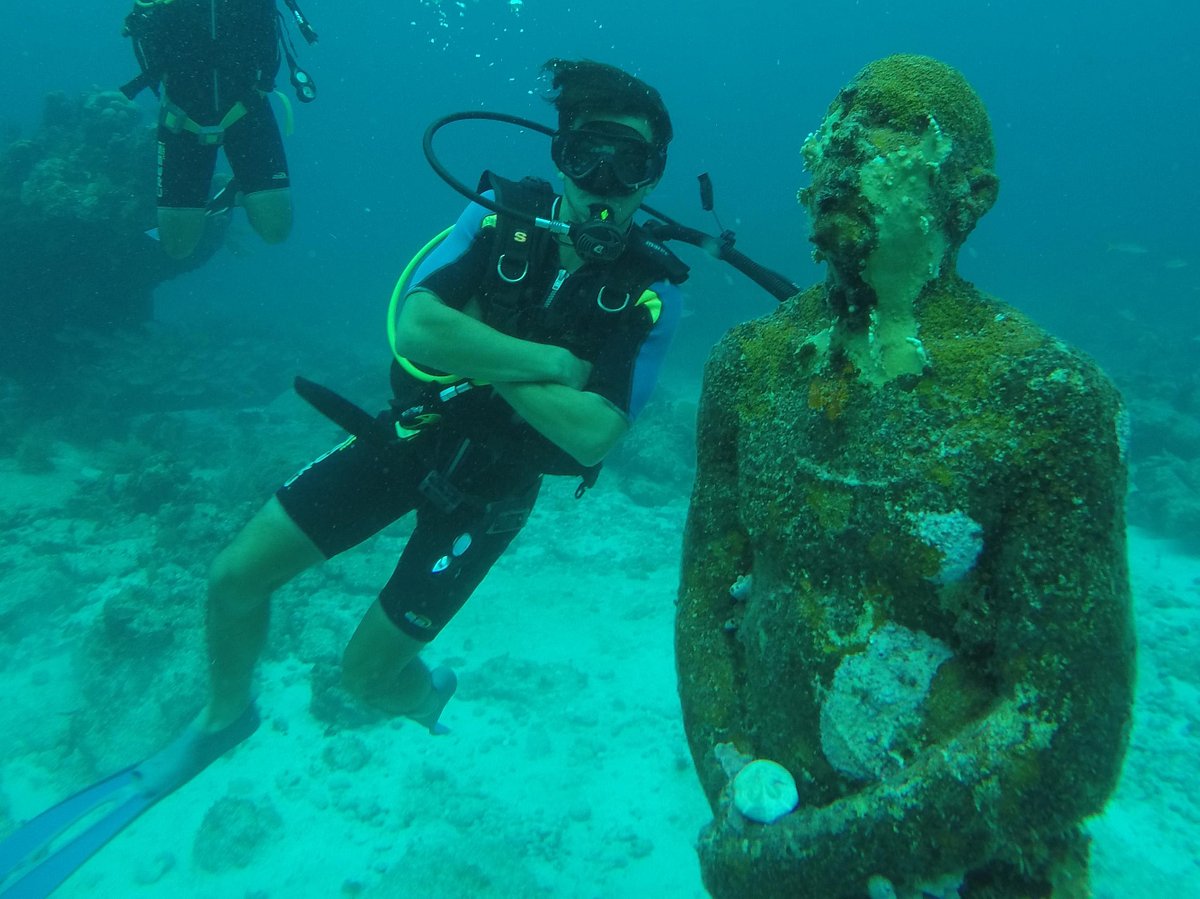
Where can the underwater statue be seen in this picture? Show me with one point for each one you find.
(904, 638)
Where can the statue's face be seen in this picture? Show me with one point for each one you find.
(874, 188)
(842, 220)
(842, 206)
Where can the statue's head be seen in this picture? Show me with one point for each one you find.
(903, 163)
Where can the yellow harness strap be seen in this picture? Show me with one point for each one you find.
(289, 119)
(175, 120)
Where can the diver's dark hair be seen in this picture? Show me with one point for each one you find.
(587, 88)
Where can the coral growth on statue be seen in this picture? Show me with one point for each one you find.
(904, 578)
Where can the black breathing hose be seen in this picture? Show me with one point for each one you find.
(722, 248)
(666, 228)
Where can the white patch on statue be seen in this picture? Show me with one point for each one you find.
(871, 718)
(956, 535)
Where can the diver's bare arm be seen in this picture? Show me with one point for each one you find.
(583, 424)
(430, 333)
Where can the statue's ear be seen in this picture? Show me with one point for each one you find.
(975, 194)
(984, 189)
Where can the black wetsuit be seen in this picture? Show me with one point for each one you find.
(211, 56)
(473, 478)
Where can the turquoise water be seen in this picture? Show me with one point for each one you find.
(567, 774)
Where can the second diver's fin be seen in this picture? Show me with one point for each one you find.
(136, 789)
(224, 199)
(443, 682)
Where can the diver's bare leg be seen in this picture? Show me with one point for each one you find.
(268, 552)
(382, 667)
(270, 213)
(180, 230)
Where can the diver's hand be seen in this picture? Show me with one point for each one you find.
(573, 371)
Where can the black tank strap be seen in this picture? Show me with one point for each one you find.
(516, 246)
(139, 28)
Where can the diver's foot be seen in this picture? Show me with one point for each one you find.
(443, 682)
(191, 752)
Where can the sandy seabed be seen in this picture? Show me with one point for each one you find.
(566, 773)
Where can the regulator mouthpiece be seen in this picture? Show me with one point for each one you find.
(599, 239)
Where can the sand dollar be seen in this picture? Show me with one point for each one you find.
(764, 791)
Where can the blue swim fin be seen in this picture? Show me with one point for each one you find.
(443, 682)
(134, 789)
(48, 875)
(35, 835)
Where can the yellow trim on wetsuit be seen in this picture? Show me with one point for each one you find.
(653, 304)
(289, 118)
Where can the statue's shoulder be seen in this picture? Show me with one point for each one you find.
(980, 341)
(769, 339)
(962, 327)
(992, 360)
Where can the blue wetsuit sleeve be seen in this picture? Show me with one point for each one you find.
(454, 269)
(649, 360)
(627, 367)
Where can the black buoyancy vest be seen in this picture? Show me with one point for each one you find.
(520, 299)
(520, 296)
(191, 40)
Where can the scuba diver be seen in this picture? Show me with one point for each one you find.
(555, 344)
(554, 311)
(213, 65)
(555, 341)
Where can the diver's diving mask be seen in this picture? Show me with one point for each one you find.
(608, 158)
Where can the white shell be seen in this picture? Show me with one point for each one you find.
(741, 588)
(764, 791)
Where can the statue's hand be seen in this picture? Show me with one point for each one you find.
(812, 851)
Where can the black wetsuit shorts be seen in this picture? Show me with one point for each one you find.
(359, 488)
(252, 145)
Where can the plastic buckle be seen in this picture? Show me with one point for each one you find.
(506, 516)
(436, 488)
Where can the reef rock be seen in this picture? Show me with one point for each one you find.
(76, 202)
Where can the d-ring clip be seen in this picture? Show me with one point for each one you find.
(504, 277)
(600, 301)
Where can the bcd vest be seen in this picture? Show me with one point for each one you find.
(526, 294)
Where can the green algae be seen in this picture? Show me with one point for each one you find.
(812, 471)
(905, 92)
